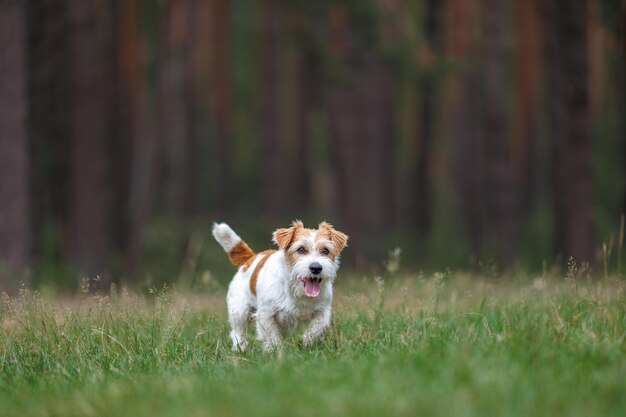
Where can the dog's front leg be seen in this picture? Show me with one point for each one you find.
(317, 327)
(268, 331)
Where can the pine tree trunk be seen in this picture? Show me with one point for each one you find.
(308, 91)
(15, 224)
(465, 153)
(176, 105)
(119, 147)
(568, 95)
(623, 46)
(305, 81)
(89, 231)
(362, 127)
(49, 127)
(190, 169)
(501, 200)
(427, 93)
(526, 147)
(143, 149)
(222, 105)
(272, 173)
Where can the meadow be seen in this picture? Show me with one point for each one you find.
(447, 344)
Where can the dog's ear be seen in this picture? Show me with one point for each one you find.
(283, 237)
(339, 239)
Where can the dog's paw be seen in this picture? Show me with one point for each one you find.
(240, 343)
(240, 347)
(271, 346)
(309, 339)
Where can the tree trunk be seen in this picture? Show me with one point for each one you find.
(89, 231)
(526, 148)
(189, 199)
(175, 105)
(428, 93)
(272, 169)
(310, 182)
(501, 202)
(119, 147)
(302, 183)
(49, 129)
(466, 153)
(623, 80)
(308, 88)
(568, 95)
(15, 224)
(143, 145)
(222, 105)
(363, 130)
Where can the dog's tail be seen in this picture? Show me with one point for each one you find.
(238, 251)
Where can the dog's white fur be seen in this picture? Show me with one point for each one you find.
(225, 236)
(280, 302)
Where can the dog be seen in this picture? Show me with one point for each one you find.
(283, 287)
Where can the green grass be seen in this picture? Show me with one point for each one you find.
(440, 346)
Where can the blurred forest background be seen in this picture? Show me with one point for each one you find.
(470, 133)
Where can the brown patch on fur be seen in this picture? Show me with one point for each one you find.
(300, 234)
(283, 237)
(323, 243)
(338, 238)
(250, 261)
(247, 264)
(240, 253)
(255, 274)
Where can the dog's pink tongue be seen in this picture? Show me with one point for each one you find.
(311, 288)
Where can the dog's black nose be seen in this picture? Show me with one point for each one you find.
(315, 267)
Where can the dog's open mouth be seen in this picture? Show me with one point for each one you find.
(311, 286)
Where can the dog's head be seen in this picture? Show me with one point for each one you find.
(312, 254)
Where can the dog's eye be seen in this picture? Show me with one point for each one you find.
(325, 251)
(301, 250)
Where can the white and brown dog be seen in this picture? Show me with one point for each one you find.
(284, 287)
